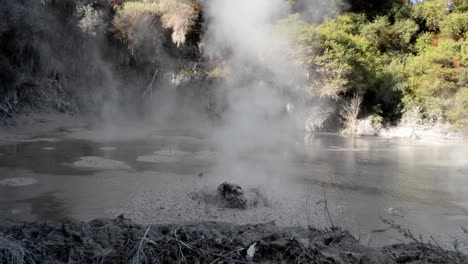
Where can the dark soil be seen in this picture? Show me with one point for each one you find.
(122, 241)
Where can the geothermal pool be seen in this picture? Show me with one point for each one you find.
(156, 178)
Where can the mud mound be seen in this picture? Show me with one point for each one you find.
(229, 195)
(122, 241)
(17, 182)
(232, 195)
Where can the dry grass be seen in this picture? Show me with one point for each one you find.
(430, 245)
(11, 251)
(129, 16)
(178, 15)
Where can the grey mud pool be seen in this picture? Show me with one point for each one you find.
(156, 178)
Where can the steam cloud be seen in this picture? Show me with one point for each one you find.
(256, 131)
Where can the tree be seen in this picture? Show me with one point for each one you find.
(373, 7)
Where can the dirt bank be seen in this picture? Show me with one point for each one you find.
(122, 241)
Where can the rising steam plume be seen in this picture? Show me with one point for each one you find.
(256, 131)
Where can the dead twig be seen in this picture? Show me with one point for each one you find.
(150, 86)
(430, 245)
(190, 247)
(326, 209)
(140, 249)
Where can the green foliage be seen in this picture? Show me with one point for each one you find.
(378, 33)
(458, 108)
(347, 57)
(406, 30)
(304, 36)
(462, 7)
(432, 12)
(416, 57)
(434, 78)
(454, 25)
(375, 117)
(424, 41)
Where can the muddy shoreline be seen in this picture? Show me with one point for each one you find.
(27, 126)
(121, 240)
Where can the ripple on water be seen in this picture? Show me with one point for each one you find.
(163, 156)
(17, 182)
(171, 152)
(108, 148)
(43, 139)
(204, 155)
(334, 148)
(93, 162)
(48, 148)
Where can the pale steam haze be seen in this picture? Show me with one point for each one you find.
(242, 30)
(256, 132)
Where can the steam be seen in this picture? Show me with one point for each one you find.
(257, 131)
(242, 31)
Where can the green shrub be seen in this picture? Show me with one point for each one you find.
(431, 12)
(454, 25)
(379, 33)
(416, 57)
(405, 30)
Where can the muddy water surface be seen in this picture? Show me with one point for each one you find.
(158, 178)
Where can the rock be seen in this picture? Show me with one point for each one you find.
(251, 252)
(232, 195)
